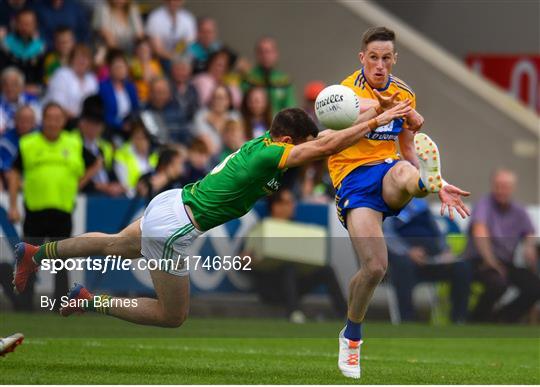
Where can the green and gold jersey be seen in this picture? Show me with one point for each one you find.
(231, 189)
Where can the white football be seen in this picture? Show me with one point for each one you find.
(337, 107)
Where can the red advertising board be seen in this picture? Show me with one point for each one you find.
(519, 74)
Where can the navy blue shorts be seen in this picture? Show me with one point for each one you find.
(363, 188)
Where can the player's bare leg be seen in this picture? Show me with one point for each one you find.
(169, 309)
(401, 184)
(365, 231)
(126, 243)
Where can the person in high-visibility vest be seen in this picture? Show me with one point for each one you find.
(90, 129)
(52, 166)
(134, 158)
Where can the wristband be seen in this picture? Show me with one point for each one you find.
(372, 124)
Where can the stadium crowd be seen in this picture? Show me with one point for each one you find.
(148, 99)
(133, 82)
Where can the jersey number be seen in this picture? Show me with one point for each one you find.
(221, 165)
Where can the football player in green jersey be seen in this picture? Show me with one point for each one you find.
(175, 218)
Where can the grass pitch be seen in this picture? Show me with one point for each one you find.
(95, 349)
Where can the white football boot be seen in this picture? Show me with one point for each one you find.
(349, 356)
(430, 162)
(8, 344)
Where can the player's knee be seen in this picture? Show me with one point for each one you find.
(174, 320)
(400, 172)
(376, 270)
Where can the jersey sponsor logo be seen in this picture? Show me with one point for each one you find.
(382, 136)
(273, 185)
(385, 128)
(388, 132)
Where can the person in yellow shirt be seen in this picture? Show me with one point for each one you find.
(373, 180)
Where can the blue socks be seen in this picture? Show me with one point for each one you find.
(353, 331)
(421, 185)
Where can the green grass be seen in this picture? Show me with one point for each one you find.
(95, 349)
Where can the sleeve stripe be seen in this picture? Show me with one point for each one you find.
(356, 81)
(284, 156)
(402, 86)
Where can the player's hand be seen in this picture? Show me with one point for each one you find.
(450, 197)
(398, 111)
(387, 103)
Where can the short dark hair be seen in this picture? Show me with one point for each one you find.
(51, 105)
(113, 55)
(25, 10)
(166, 157)
(62, 29)
(199, 146)
(381, 34)
(293, 122)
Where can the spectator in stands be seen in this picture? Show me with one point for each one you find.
(162, 115)
(498, 225)
(53, 14)
(13, 96)
(64, 43)
(135, 158)
(169, 168)
(197, 164)
(118, 23)
(24, 48)
(144, 68)
(25, 122)
(315, 185)
(256, 112)
(184, 95)
(91, 127)
(71, 84)
(51, 164)
(210, 122)
(264, 74)
(233, 138)
(418, 252)
(172, 29)
(219, 65)
(288, 283)
(118, 93)
(8, 11)
(311, 91)
(206, 44)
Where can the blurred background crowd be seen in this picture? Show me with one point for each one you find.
(132, 79)
(146, 98)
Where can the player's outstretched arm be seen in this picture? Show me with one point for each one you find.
(413, 120)
(372, 109)
(334, 141)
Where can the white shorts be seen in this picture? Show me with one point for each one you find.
(167, 232)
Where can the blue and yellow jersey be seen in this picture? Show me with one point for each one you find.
(377, 145)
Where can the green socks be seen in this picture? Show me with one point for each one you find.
(46, 251)
(99, 304)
